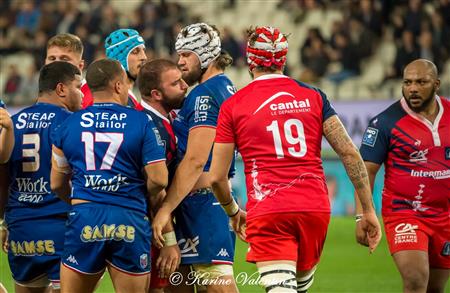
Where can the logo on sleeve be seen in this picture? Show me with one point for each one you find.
(447, 153)
(201, 108)
(370, 136)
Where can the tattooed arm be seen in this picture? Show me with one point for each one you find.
(337, 136)
(342, 144)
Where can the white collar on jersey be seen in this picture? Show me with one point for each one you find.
(153, 110)
(270, 76)
(432, 126)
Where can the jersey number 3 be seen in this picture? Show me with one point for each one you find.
(114, 140)
(291, 127)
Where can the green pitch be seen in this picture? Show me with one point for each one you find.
(344, 267)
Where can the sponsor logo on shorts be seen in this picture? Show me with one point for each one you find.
(32, 248)
(189, 246)
(72, 259)
(405, 233)
(370, 136)
(223, 252)
(143, 260)
(108, 232)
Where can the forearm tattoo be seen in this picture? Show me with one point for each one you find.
(342, 144)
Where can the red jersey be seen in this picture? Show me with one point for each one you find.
(416, 156)
(276, 124)
(88, 100)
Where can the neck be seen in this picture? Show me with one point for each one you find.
(130, 83)
(431, 111)
(158, 107)
(106, 97)
(210, 72)
(51, 98)
(258, 73)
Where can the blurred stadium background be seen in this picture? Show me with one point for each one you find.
(353, 50)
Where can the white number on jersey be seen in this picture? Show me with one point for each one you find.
(114, 140)
(290, 138)
(35, 140)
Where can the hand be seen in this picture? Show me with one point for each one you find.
(163, 216)
(168, 261)
(4, 239)
(238, 222)
(5, 119)
(369, 226)
(360, 234)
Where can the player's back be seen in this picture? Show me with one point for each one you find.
(278, 123)
(107, 146)
(30, 163)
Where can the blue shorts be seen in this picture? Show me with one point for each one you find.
(203, 231)
(35, 248)
(98, 234)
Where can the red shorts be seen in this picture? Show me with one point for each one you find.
(427, 234)
(296, 236)
(155, 281)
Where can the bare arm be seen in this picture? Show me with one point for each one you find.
(222, 157)
(6, 136)
(60, 175)
(338, 138)
(342, 144)
(372, 170)
(4, 194)
(4, 189)
(155, 204)
(200, 142)
(157, 177)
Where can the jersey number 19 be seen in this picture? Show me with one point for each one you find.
(292, 140)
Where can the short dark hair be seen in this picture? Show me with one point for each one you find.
(54, 73)
(101, 72)
(149, 77)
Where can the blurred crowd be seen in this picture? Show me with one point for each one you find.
(419, 29)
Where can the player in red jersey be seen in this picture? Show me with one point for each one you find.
(68, 48)
(277, 124)
(412, 139)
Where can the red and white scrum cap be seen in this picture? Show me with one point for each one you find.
(270, 48)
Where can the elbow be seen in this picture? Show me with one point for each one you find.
(155, 184)
(196, 163)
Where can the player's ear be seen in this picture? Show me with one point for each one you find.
(156, 94)
(118, 86)
(437, 85)
(61, 89)
(81, 65)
